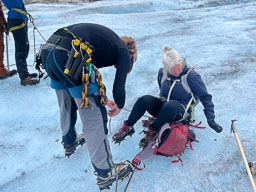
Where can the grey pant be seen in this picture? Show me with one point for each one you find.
(94, 122)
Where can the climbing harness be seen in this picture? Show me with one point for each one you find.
(92, 77)
(77, 65)
(57, 65)
(192, 102)
(22, 24)
(80, 55)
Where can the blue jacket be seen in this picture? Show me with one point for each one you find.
(178, 93)
(12, 14)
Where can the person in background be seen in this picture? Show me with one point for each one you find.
(171, 104)
(4, 73)
(17, 24)
(252, 166)
(108, 49)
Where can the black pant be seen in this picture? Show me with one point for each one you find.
(21, 46)
(164, 111)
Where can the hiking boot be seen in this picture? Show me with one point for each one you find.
(8, 74)
(32, 75)
(70, 149)
(122, 170)
(3, 70)
(192, 134)
(29, 81)
(149, 136)
(124, 131)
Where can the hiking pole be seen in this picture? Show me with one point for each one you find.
(35, 28)
(7, 51)
(130, 178)
(233, 129)
(34, 35)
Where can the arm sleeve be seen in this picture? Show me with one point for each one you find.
(122, 69)
(2, 18)
(199, 89)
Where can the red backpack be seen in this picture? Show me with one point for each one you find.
(171, 140)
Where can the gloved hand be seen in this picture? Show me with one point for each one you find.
(215, 126)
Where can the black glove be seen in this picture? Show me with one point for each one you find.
(215, 126)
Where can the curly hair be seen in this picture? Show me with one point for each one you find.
(130, 43)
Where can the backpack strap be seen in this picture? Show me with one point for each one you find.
(179, 159)
(171, 88)
(184, 82)
(145, 154)
(197, 125)
(20, 11)
(151, 148)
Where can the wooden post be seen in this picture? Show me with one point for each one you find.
(233, 129)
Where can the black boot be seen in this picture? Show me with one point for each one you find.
(8, 74)
(149, 136)
(70, 149)
(29, 81)
(32, 75)
(124, 131)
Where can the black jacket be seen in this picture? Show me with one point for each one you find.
(109, 50)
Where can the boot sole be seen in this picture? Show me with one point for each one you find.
(9, 74)
(72, 150)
